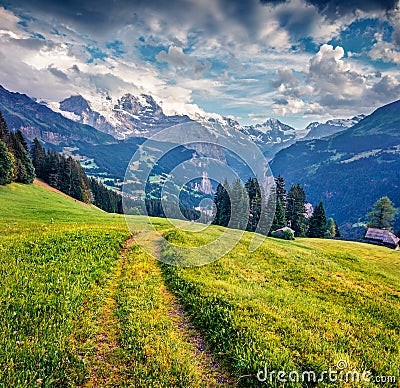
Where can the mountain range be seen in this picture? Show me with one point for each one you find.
(141, 116)
(348, 163)
(318, 130)
(127, 117)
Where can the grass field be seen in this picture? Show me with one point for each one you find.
(81, 308)
(295, 306)
(76, 310)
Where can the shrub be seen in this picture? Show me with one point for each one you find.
(288, 235)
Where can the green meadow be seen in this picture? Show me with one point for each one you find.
(300, 305)
(81, 306)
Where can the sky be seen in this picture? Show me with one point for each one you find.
(296, 60)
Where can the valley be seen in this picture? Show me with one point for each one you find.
(335, 161)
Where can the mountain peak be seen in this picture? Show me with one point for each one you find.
(75, 104)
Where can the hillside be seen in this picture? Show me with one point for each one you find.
(32, 205)
(301, 305)
(350, 170)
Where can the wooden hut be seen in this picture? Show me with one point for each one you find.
(382, 237)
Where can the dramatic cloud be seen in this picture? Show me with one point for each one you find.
(330, 83)
(248, 59)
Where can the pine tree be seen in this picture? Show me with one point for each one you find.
(295, 211)
(6, 164)
(51, 170)
(281, 191)
(226, 205)
(22, 140)
(38, 158)
(4, 132)
(338, 234)
(239, 206)
(382, 214)
(218, 198)
(255, 203)
(24, 170)
(280, 217)
(331, 227)
(317, 222)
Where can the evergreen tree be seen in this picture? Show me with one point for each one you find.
(38, 157)
(317, 222)
(52, 169)
(239, 206)
(226, 205)
(4, 133)
(338, 234)
(222, 204)
(280, 217)
(218, 199)
(331, 227)
(22, 140)
(295, 211)
(281, 191)
(382, 214)
(24, 171)
(255, 203)
(6, 164)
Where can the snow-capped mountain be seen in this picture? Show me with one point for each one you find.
(141, 116)
(318, 130)
(272, 135)
(128, 116)
(270, 132)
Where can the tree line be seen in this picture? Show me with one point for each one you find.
(15, 162)
(247, 208)
(67, 175)
(21, 165)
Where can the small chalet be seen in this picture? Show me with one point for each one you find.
(382, 237)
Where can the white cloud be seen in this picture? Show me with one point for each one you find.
(8, 21)
(178, 60)
(384, 51)
(240, 56)
(332, 77)
(291, 105)
(332, 84)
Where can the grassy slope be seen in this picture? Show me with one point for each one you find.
(22, 206)
(301, 305)
(61, 270)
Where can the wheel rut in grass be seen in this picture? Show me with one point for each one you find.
(211, 370)
(109, 365)
(104, 371)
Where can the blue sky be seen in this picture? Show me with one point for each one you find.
(296, 60)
